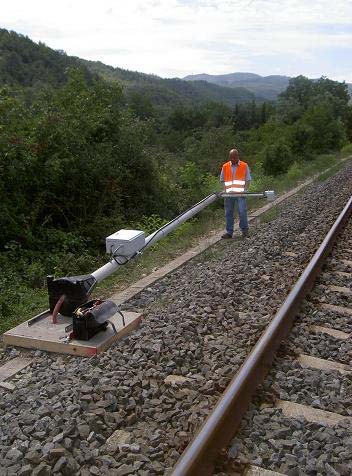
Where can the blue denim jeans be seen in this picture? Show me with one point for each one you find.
(230, 213)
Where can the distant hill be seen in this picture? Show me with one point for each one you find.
(263, 87)
(165, 91)
(26, 63)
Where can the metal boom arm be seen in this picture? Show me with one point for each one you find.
(113, 265)
(74, 290)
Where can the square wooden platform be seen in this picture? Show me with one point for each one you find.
(44, 335)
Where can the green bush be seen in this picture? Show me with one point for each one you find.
(347, 149)
(277, 158)
(325, 132)
(294, 172)
(150, 224)
(69, 162)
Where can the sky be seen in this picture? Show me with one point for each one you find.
(175, 38)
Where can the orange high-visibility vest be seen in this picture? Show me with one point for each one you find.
(236, 182)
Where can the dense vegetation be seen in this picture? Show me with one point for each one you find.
(80, 158)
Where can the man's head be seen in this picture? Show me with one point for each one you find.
(234, 156)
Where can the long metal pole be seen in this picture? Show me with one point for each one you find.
(113, 265)
(165, 230)
(222, 423)
(244, 194)
(110, 267)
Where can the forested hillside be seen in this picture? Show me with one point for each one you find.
(81, 158)
(24, 63)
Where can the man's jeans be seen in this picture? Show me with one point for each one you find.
(242, 213)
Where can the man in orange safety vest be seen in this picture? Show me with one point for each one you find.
(235, 176)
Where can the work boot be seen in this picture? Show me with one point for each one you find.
(226, 236)
(245, 233)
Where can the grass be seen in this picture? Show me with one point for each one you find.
(335, 167)
(24, 302)
(300, 172)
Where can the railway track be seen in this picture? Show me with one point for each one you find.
(134, 409)
(301, 424)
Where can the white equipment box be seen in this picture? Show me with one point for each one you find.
(270, 195)
(125, 242)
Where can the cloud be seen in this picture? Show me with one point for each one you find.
(179, 37)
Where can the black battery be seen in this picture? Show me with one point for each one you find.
(92, 317)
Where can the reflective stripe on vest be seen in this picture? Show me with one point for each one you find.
(235, 183)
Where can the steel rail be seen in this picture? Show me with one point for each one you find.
(220, 426)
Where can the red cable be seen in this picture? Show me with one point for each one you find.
(57, 308)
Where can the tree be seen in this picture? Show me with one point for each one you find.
(141, 105)
(303, 93)
(333, 93)
(277, 158)
(349, 123)
(325, 132)
(299, 90)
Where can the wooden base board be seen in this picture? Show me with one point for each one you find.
(44, 335)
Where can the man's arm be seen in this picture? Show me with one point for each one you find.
(222, 178)
(247, 179)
